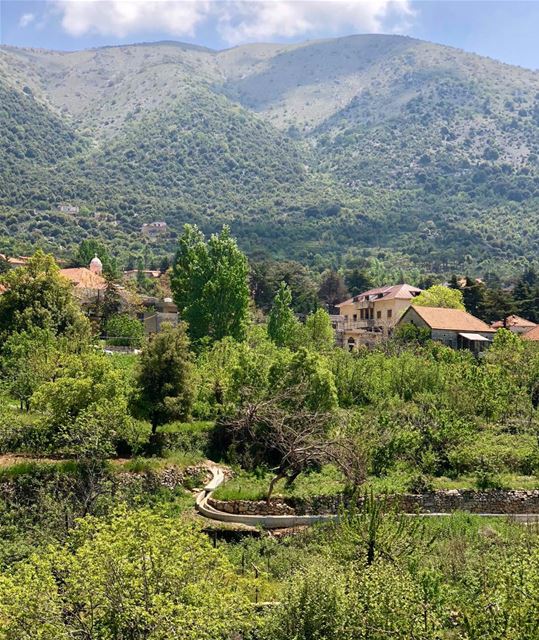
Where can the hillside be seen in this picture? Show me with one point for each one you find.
(319, 151)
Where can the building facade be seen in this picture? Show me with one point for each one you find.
(370, 316)
(453, 327)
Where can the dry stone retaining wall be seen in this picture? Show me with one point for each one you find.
(495, 501)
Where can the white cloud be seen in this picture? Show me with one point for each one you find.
(237, 20)
(121, 18)
(26, 19)
(264, 19)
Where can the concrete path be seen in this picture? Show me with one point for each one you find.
(285, 522)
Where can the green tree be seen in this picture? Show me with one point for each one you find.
(137, 575)
(37, 296)
(319, 331)
(332, 289)
(90, 248)
(165, 376)
(440, 296)
(85, 406)
(210, 286)
(28, 360)
(283, 326)
(124, 330)
(472, 295)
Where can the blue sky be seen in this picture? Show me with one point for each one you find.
(506, 30)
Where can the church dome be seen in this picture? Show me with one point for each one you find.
(96, 266)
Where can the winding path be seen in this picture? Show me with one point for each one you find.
(266, 522)
(285, 522)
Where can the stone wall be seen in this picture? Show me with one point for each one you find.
(489, 501)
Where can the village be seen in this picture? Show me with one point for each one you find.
(364, 320)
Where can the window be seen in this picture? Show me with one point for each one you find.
(378, 315)
(389, 313)
(355, 317)
(362, 314)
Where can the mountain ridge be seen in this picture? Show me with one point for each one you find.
(400, 143)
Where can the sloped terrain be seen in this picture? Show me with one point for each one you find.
(324, 149)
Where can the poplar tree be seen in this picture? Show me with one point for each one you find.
(209, 285)
(283, 326)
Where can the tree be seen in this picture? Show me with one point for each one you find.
(85, 406)
(28, 360)
(319, 331)
(134, 575)
(37, 296)
(283, 326)
(497, 304)
(90, 248)
(124, 330)
(332, 289)
(472, 295)
(358, 281)
(165, 376)
(209, 285)
(440, 296)
(282, 430)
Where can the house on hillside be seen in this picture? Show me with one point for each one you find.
(65, 207)
(453, 327)
(158, 312)
(153, 229)
(516, 324)
(371, 315)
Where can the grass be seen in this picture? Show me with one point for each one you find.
(68, 467)
(250, 486)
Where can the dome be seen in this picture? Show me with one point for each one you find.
(96, 266)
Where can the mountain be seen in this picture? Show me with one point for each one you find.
(323, 151)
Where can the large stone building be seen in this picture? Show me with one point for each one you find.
(371, 315)
(453, 327)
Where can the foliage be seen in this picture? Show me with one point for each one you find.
(165, 376)
(209, 283)
(124, 330)
(136, 575)
(283, 326)
(440, 296)
(37, 296)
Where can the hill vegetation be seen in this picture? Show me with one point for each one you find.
(330, 151)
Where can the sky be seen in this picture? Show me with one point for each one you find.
(507, 30)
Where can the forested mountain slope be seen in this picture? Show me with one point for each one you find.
(323, 150)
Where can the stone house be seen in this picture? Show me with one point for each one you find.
(516, 324)
(371, 315)
(453, 327)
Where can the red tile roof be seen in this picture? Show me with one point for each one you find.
(450, 319)
(513, 321)
(397, 291)
(83, 278)
(533, 334)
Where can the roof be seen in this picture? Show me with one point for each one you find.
(450, 319)
(15, 262)
(474, 337)
(83, 278)
(533, 334)
(397, 291)
(513, 321)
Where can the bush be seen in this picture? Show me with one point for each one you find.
(188, 437)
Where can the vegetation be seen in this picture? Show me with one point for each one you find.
(431, 165)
